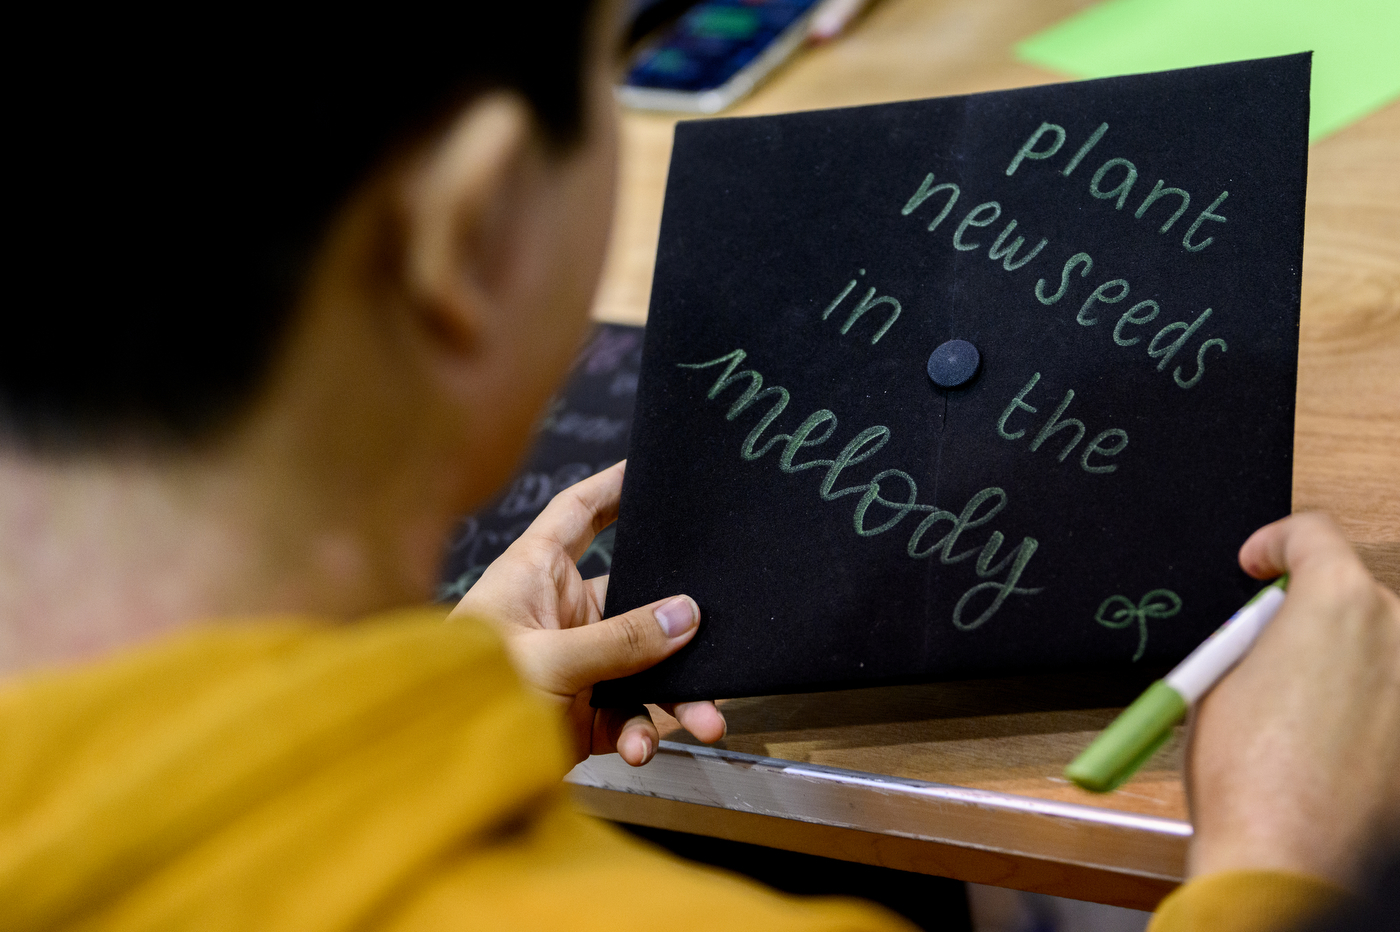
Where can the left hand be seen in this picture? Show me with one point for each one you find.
(553, 625)
(1294, 761)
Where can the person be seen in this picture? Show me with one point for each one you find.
(287, 298)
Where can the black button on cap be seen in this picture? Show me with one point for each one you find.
(954, 364)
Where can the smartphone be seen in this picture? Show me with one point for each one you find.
(717, 52)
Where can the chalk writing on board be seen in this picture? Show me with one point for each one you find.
(531, 491)
(585, 429)
(860, 448)
(588, 427)
(1159, 603)
(485, 536)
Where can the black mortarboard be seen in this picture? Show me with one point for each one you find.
(1123, 256)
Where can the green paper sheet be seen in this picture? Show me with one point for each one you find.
(1356, 65)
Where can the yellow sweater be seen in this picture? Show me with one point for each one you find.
(389, 775)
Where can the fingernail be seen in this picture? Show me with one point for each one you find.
(676, 616)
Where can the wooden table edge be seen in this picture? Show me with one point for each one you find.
(1046, 846)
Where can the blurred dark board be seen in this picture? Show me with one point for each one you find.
(584, 431)
(1125, 255)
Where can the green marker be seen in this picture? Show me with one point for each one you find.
(1145, 726)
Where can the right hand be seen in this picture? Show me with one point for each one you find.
(1294, 760)
(554, 630)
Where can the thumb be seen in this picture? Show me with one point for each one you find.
(566, 661)
(1291, 544)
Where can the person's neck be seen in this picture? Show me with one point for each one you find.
(102, 552)
(332, 497)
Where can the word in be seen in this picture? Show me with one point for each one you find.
(1126, 174)
(818, 428)
(868, 303)
(1159, 603)
(1054, 425)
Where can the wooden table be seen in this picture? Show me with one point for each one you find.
(963, 779)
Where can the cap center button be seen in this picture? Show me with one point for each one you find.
(954, 364)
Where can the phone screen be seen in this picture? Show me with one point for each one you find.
(712, 42)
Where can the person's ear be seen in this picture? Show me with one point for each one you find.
(467, 216)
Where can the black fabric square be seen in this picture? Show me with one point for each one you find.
(1125, 255)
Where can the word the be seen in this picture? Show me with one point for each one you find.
(1054, 425)
(1125, 173)
(818, 428)
(1159, 603)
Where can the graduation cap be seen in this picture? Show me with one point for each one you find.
(967, 386)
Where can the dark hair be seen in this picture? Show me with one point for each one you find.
(174, 178)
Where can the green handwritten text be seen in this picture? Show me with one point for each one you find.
(885, 499)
